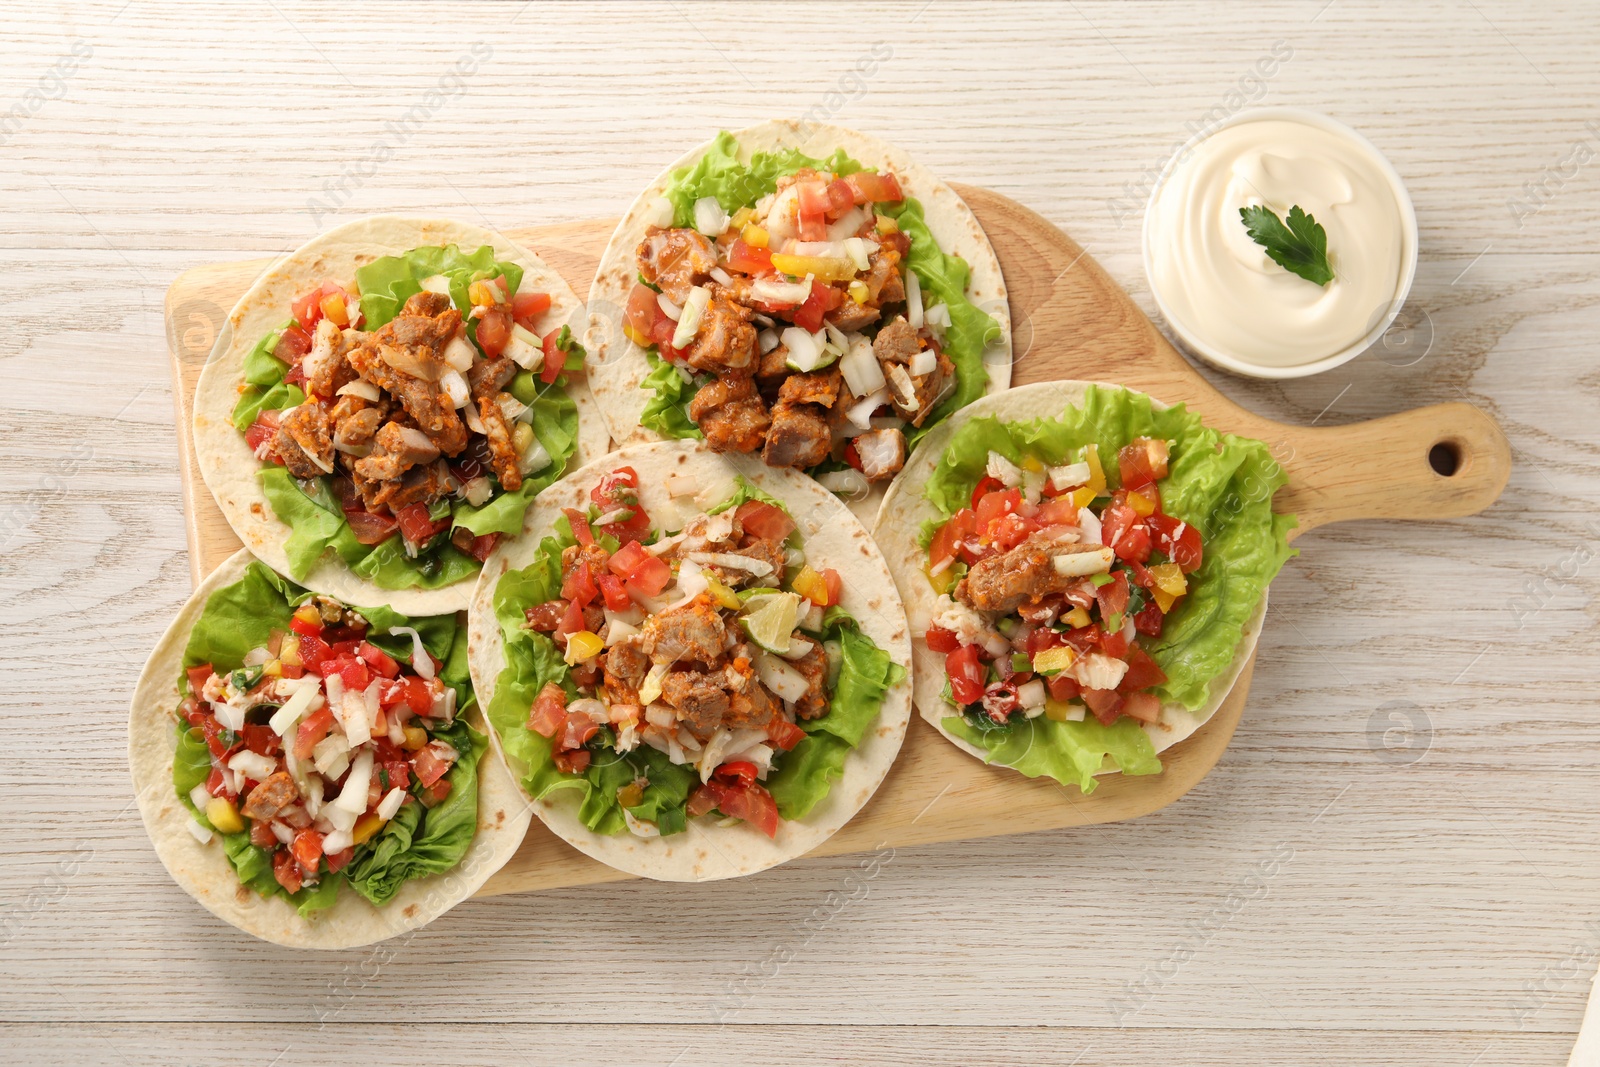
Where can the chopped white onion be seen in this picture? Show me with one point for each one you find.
(805, 351)
(331, 755)
(689, 322)
(228, 715)
(421, 662)
(618, 630)
(862, 372)
(799, 647)
(1003, 470)
(252, 765)
(455, 387)
(477, 491)
(767, 340)
(856, 249)
(732, 561)
(659, 213)
(720, 276)
(860, 413)
(256, 657)
(1069, 475)
(913, 300)
(474, 421)
(1031, 694)
(924, 362)
(511, 409)
(848, 484)
(282, 831)
(784, 680)
(200, 796)
(337, 842)
(709, 218)
(306, 699)
(639, 827)
(353, 797)
(1089, 524)
(847, 224)
(524, 353)
(436, 283)
(198, 832)
(691, 583)
(459, 353)
(362, 388)
(1079, 564)
(781, 294)
(391, 803)
(668, 308)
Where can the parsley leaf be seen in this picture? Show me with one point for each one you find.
(1300, 248)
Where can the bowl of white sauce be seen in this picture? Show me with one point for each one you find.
(1225, 298)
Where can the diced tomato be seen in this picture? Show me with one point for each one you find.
(1146, 707)
(753, 804)
(418, 694)
(293, 344)
(1043, 639)
(295, 375)
(841, 198)
(948, 540)
(994, 506)
(579, 522)
(575, 761)
(198, 676)
(985, 486)
(260, 739)
(1142, 461)
(737, 773)
(627, 559)
(577, 731)
(761, 519)
(1000, 700)
(1115, 521)
(263, 431)
(1083, 639)
(1143, 671)
(555, 360)
(941, 640)
(434, 795)
(261, 834)
(966, 674)
(1150, 493)
(1115, 644)
(482, 545)
(307, 849)
(546, 617)
(415, 524)
(1059, 512)
(307, 309)
(351, 671)
(337, 861)
(747, 259)
(579, 586)
(642, 312)
(313, 650)
(1179, 541)
(872, 188)
(305, 627)
(369, 528)
(661, 334)
(527, 307)
(378, 659)
(1139, 574)
(494, 330)
(192, 711)
(1134, 544)
(1062, 687)
(823, 299)
(549, 711)
(784, 734)
(812, 204)
(649, 577)
(286, 871)
(1149, 619)
(1010, 531)
(834, 584)
(852, 455)
(572, 620)
(1105, 703)
(704, 798)
(612, 589)
(429, 763)
(341, 646)
(220, 745)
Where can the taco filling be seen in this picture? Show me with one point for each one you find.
(330, 752)
(1093, 573)
(801, 309)
(407, 418)
(709, 670)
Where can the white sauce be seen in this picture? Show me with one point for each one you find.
(1220, 285)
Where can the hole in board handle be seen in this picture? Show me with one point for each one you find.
(1445, 458)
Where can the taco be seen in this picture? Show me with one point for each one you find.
(1086, 572)
(802, 292)
(696, 673)
(383, 404)
(263, 709)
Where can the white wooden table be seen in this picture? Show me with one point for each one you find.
(1415, 774)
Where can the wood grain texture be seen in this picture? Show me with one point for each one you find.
(1422, 721)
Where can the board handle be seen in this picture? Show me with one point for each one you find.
(1438, 462)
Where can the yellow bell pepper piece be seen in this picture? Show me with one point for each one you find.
(416, 738)
(1081, 497)
(333, 308)
(809, 584)
(724, 596)
(583, 646)
(308, 613)
(1058, 709)
(1076, 617)
(741, 218)
(887, 225)
(636, 337)
(859, 291)
(486, 292)
(944, 581)
(223, 816)
(1031, 463)
(630, 795)
(822, 268)
(365, 827)
(754, 236)
(1170, 583)
(1097, 474)
(1141, 504)
(1055, 659)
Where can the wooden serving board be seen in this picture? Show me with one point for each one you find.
(1070, 320)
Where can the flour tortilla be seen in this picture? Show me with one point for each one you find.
(203, 870)
(617, 366)
(833, 538)
(228, 465)
(900, 522)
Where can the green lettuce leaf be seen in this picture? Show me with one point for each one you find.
(719, 173)
(667, 412)
(1069, 752)
(265, 389)
(242, 616)
(387, 283)
(1219, 483)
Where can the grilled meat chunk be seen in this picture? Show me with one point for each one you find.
(882, 452)
(487, 379)
(625, 666)
(818, 387)
(1026, 574)
(731, 414)
(326, 368)
(751, 708)
(726, 341)
(356, 420)
(674, 260)
(772, 368)
(416, 342)
(271, 796)
(897, 342)
(813, 703)
(852, 317)
(396, 450)
(799, 436)
(884, 282)
(699, 699)
(305, 440)
(692, 633)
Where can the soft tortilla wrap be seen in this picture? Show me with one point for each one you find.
(833, 538)
(203, 870)
(900, 522)
(617, 366)
(226, 462)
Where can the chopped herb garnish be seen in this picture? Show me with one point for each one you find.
(1299, 247)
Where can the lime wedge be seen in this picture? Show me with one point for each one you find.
(770, 620)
